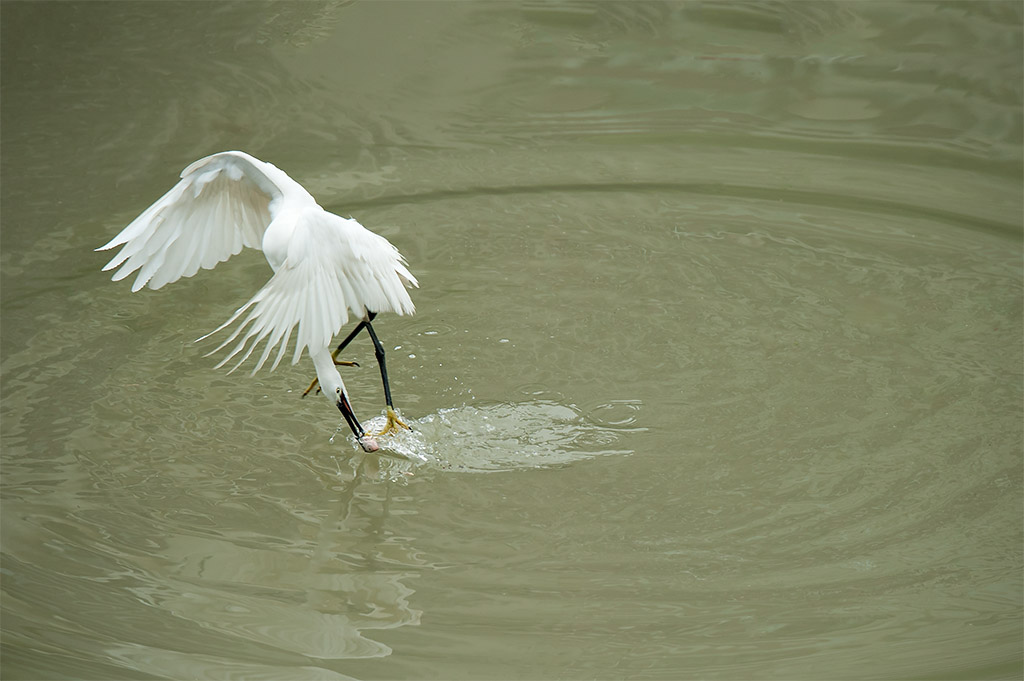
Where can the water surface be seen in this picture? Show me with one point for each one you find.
(716, 370)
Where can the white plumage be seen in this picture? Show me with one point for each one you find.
(326, 267)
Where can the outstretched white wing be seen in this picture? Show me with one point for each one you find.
(334, 266)
(325, 266)
(222, 203)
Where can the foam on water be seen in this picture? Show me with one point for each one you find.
(502, 437)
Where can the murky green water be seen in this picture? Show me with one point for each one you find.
(716, 371)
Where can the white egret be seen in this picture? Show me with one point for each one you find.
(325, 266)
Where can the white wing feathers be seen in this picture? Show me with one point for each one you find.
(325, 266)
(333, 266)
(222, 203)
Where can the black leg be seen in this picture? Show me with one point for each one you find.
(393, 422)
(378, 351)
(353, 334)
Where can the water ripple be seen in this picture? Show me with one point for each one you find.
(511, 436)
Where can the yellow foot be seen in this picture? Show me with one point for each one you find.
(337, 363)
(393, 425)
(314, 384)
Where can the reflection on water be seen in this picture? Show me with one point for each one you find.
(503, 437)
(312, 584)
(729, 294)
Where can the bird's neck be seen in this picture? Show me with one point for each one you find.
(327, 374)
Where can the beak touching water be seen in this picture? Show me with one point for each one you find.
(365, 441)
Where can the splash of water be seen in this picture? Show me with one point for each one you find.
(505, 436)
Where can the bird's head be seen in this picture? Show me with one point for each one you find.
(338, 395)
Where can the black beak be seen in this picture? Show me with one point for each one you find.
(367, 443)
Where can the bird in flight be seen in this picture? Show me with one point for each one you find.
(326, 267)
